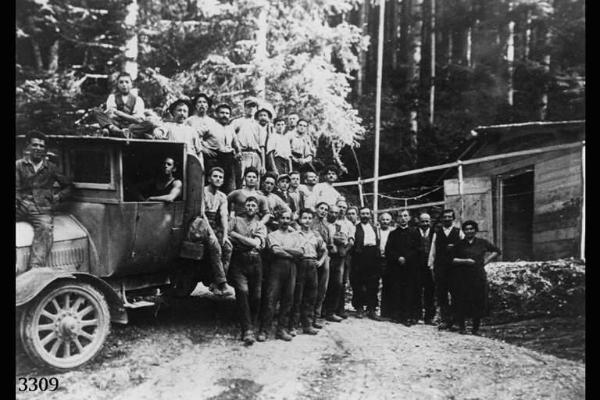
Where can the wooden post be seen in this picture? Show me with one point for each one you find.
(378, 105)
(582, 244)
(460, 189)
(360, 194)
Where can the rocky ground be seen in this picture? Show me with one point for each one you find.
(192, 351)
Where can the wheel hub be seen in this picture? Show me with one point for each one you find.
(67, 326)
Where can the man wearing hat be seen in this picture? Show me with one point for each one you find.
(220, 146)
(283, 191)
(247, 131)
(279, 151)
(178, 131)
(264, 115)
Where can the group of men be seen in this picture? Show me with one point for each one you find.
(286, 243)
(258, 139)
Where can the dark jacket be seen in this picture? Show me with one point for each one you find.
(359, 238)
(403, 243)
(37, 187)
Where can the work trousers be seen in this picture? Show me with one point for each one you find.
(43, 231)
(282, 165)
(280, 287)
(425, 294)
(200, 230)
(305, 293)
(442, 291)
(227, 162)
(345, 280)
(335, 286)
(322, 281)
(364, 278)
(245, 276)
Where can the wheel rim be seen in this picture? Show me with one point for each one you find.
(68, 327)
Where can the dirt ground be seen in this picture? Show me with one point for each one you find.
(192, 351)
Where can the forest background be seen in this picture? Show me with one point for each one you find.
(448, 65)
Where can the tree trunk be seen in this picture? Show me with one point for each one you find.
(130, 65)
(394, 34)
(363, 23)
(414, 73)
(432, 62)
(261, 50)
(53, 56)
(527, 49)
(546, 62)
(510, 56)
(404, 25)
(469, 46)
(37, 55)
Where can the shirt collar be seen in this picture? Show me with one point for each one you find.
(27, 160)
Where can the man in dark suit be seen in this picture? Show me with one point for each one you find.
(440, 258)
(401, 252)
(365, 274)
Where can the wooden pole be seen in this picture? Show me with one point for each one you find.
(460, 190)
(378, 105)
(432, 75)
(582, 245)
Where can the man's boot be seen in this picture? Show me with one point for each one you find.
(283, 335)
(248, 338)
(372, 314)
(262, 336)
(309, 330)
(317, 324)
(333, 318)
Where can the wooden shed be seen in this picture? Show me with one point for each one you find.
(530, 205)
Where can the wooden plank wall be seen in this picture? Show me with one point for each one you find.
(557, 215)
(557, 199)
(477, 198)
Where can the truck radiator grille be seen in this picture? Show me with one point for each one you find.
(70, 255)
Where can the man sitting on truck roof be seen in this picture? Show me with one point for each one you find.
(35, 200)
(123, 109)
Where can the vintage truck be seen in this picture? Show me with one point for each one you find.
(110, 251)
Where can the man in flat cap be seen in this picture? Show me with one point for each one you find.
(247, 131)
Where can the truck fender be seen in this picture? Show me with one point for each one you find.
(30, 283)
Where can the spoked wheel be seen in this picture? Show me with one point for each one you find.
(66, 326)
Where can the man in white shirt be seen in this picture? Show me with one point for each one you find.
(385, 221)
(307, 196)
(248, 134)
(278, 150)
(325, 191)
(425, 288)
(364, 277)
(219, 143)
(440, 259)
(303, 150)
(178, 131)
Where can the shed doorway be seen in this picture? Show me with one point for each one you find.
(517, 200)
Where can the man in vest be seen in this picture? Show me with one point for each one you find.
(425, 288)
(365, 274)
(123, 109)
(440, 259)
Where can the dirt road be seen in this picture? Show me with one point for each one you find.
(189, 352)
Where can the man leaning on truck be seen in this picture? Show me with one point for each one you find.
(35, 200)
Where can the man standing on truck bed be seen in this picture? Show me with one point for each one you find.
(35, 202)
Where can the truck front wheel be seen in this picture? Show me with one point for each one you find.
(65, 326)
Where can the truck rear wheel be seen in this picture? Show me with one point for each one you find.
(65, 326)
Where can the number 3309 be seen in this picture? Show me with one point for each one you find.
(34, 384)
